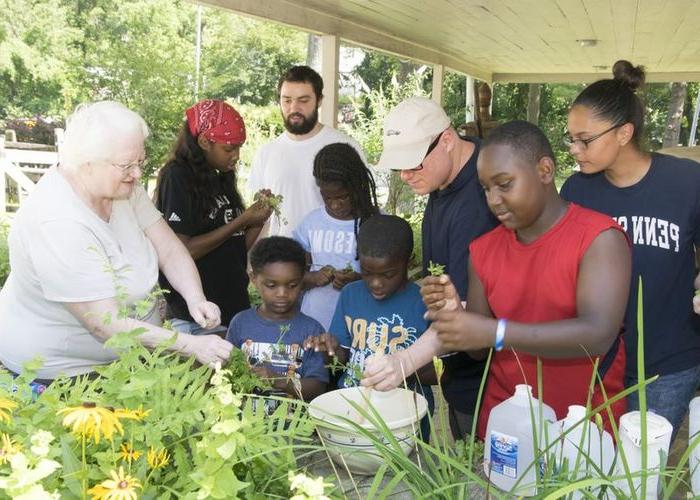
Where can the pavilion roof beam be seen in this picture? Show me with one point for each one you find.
(307, 18)
(688, 76)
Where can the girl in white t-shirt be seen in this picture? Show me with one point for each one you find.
(328, 234)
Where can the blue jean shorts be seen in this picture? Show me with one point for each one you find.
(668, 396)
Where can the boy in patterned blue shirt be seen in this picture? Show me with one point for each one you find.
(272, 334)
(381, 314)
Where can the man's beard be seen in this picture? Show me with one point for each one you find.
(305, 126)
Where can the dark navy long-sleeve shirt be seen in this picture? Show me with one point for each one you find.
(454, 216)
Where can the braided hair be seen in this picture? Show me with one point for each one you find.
(206, 180)
(341, 163)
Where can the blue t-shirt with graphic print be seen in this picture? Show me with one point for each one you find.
(331, 242)
(661, 215)
(278, 344)
(366, 326)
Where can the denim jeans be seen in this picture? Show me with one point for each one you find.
(668, 396)
(184, 326)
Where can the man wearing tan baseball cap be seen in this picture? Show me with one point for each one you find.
(421, 144)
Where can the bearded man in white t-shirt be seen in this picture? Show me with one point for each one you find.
(285, 164)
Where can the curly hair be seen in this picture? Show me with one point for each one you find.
(277, 249)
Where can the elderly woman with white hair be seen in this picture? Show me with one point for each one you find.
(88, 242)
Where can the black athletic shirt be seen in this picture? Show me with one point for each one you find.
(661, 214)
(454, 216)
(223, 270)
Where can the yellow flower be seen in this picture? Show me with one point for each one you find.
(6, 407)
(120, 487)
(91, 421)
(138, 414)
(157, 458)
(128, 454)
(9, 448)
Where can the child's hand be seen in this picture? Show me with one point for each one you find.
(321, 277)
(343, 277)
(696, 302)
(459, 330)
(438, 292)
(257, 213)
(326, 342)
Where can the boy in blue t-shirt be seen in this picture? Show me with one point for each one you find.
(272, 335)
(381, 314)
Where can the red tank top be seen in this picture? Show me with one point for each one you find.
(536, 283)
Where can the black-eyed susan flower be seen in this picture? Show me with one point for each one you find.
(138, 414)
(6, 407)
(157, 458)
(128, 454)
(9, 448)
(120, 487)
(92, 421)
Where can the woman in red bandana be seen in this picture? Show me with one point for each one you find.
(197, 194)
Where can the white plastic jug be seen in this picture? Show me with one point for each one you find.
(659, 432)
(694, 435)
(583, 449)
(508, 450)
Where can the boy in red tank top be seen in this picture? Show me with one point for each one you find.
(551, 282)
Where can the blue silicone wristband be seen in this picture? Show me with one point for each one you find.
(500, 334)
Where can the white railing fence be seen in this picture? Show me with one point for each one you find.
(21, 166)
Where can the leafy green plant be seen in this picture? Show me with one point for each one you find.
(436, 269)
(274, 202)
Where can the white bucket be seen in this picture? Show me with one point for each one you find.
(337, 420)
(659, 432)
(694, 435)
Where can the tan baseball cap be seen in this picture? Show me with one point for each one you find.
(409, 129)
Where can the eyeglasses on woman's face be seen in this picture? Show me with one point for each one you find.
(582, 143)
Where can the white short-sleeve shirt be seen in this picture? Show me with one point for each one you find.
(285, 167)
(62, 252)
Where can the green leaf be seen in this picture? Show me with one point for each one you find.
(125, 340)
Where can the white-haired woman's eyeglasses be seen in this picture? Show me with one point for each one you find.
(129, 167)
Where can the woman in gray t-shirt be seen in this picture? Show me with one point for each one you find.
(88, 241)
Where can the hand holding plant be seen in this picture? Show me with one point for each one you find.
(207, 349)
(257, 213)
(456, 329)
(326, 343)
(343, 277)
(387, 372)
(322, 277)
(273, 201)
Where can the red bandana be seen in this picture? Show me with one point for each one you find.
(217, 121)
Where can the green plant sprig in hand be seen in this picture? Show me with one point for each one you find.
(274, 202)
(436, 269)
